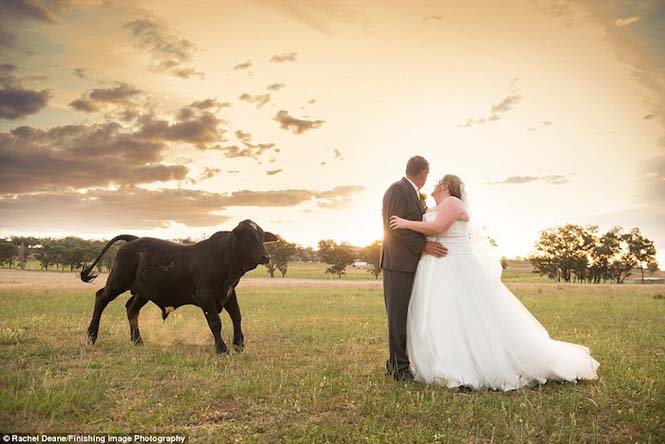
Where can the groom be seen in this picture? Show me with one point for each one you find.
(400, 252)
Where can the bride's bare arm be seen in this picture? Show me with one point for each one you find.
(449, 211)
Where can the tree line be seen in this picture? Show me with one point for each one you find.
(574, 253)
(71, 253)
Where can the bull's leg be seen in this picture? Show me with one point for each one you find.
(134, 305)
(233, 309)
(215, 324)
(102, 299)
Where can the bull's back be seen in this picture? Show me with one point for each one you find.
(161, 269)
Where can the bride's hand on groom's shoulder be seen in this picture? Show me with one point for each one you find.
(397, 222)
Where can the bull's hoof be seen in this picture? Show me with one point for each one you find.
(138, 341)
(92, 338)
(223, 352)
(238, 348)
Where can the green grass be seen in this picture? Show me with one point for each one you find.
(312, 372)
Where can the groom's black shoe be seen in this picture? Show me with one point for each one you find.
(404, 376)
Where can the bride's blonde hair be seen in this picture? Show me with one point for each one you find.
(453, 183)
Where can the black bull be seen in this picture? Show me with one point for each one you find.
(204, 274)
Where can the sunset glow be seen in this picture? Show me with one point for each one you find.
(179, 119)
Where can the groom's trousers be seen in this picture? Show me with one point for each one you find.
(397, 286)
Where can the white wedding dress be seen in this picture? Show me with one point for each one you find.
(465, 328)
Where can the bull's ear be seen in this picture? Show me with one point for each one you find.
(269, 237)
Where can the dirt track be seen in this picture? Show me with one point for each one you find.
(52, 279)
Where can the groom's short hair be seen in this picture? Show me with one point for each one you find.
(416, 165)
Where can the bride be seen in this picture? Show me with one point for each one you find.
(464, 327)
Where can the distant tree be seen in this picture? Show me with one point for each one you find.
(562, 253)
(572, 252)
(338, 256)
(652, 267)
(280, 254)
(8, 252)
(372, 255)
(306, 254)
(641, 249)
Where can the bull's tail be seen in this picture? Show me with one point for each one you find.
(86, 272)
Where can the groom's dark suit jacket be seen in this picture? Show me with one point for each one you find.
(401, 249)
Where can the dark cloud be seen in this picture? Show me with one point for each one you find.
(433, 18)
(122, 94)
(259, 100)
(296, 126)
(276, 86)
(286, 57)
(273, 172)
(202, 129)
(80, 156)
(171, 53)
(552, 179)
(244, 65)
(338, 154)
(16, 101)
(85, 105)
(26, 9)
(311, 101)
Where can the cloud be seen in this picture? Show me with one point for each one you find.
(138, 208)
(83, 156)
(296, 126)
(316, 14)
(273, 172)
(244, 65)
(286, 57)
(249, 149)
(259, 100)
(652, 179)
(170, 52)
(433, 18)
(512, 180)
(81, 73)
(16, 101)
(79, 156)
(99, 98)
(627, 21)
(338, 197)
(496, 111)
(276, 86)
(338, 154)
(200, 129)
(506, 104)
(209, 173)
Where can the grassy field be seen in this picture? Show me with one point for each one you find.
(312, 371)
(517, 271)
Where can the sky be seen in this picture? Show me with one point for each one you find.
(179, 119)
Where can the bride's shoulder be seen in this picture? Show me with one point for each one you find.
(452, 200)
